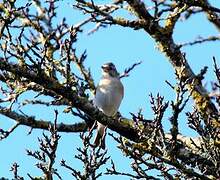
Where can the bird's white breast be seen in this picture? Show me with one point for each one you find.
(109, 95)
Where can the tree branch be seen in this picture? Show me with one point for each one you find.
(177, 59)
(201, 40)
(31, 122)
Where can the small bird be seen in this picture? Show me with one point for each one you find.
(108, 97)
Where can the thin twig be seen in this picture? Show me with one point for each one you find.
(127, 70)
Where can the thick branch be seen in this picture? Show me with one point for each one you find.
(151, 26)
(177, 59)
(42, 124)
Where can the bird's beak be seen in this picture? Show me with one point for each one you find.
(105, 68)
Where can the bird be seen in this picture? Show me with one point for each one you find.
(108, 97)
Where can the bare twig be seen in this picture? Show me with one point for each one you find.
(216, 70)
(126, 71)
(14, 169)
(5, 134)
(201, 40)
(91, 157)
(47, 154)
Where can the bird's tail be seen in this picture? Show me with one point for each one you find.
(100, 136)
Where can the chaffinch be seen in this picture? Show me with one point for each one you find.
(108, 97)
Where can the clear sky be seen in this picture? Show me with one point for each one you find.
(123, 46)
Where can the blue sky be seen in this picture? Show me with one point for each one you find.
(123, 46)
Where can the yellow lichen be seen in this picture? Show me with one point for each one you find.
(127, 122)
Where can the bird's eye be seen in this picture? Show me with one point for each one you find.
(112, 67)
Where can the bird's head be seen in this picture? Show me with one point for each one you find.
(109, 69)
